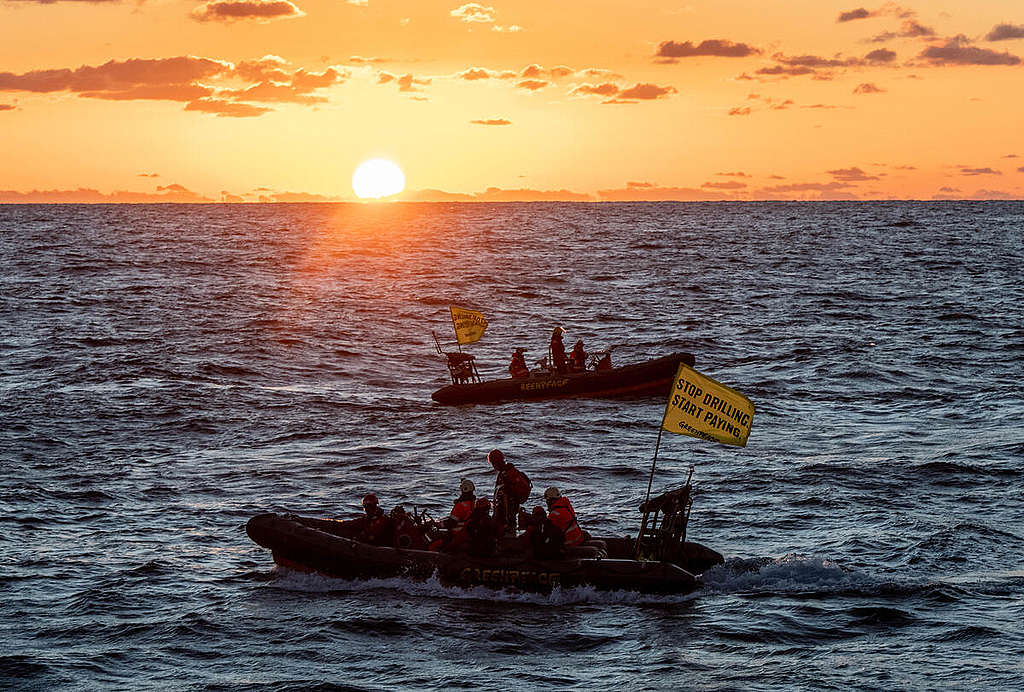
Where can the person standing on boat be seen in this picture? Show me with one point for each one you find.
(511, 489)
(563, 516)
(558, 350)
(578, 357)
(518, 368)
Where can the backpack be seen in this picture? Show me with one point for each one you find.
(517, 485)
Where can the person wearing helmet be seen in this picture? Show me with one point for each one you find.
(482, 530)
(558, 350)
(511, 489)
(518, 368)
(577, 357)
(375, 526)
(455, 523)
(563, 516)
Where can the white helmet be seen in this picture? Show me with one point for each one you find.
(552, 493)
(466, 486)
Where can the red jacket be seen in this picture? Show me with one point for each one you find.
(562, 515)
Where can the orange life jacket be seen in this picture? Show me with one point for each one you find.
(563, 516)
(462, 510)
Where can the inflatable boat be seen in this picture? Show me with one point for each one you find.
(650, 378)
(662, 562)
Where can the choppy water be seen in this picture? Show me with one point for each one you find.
(166, 372)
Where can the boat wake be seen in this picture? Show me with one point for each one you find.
(292, 580)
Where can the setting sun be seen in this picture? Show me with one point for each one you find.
(377, 178)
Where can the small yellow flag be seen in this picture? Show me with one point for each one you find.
(469, 324)
(701, 407)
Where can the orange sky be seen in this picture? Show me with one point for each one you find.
(280, 100)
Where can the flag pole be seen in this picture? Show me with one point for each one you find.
(650, 481)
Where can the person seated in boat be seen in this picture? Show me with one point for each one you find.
(455, 523)
(541, 537)
(518, 368)
(563, 516)
(407, 532)
(375, 526)
(511, 489)
(558, 350)
(602, 360)
(577, 357)
(482, 530)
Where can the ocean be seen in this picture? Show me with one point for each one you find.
(169, 371)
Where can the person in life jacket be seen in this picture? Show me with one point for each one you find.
(375, 526)
(408, 533)
(545, 540)
(558, 350)
(563, 516)
(511, 489)
(577, 357)
(456, 521)
(604, 362)
(518, 368)
(482, 530)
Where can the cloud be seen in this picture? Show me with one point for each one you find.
(167, 193)
(881, 55)
(868, 88)
(979, 171)
(473, 12)
(598, 73)
(958, 51)
(725, 185)
(7, 107)
(993, 194)
(492, 121)
(226, 109)
(735, 174)
(295, 197)
(711, 47)
(363, 60)
(1021, 169)
(647, 92)
(475, 73)
(859, 13)
(745, 110)
(1005, 32)
(51, 2)
(148, 175)
(909, 29)
(167, 79)
(533, 84)
(406, 82)
(807, 187)
(851, 175)
(234, 10)
(606, 89)
(646, 192)
(496, 194)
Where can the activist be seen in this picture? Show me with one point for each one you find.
(511, 489)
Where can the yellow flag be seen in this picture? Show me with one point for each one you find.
(469, 324)
(701, 407)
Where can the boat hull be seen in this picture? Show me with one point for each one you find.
(320, 546)
(651, 378)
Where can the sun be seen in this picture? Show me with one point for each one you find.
(377, 178)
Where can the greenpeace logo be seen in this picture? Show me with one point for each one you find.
(546, 384)
(516, 577)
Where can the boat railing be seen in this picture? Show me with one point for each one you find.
(662, 532)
